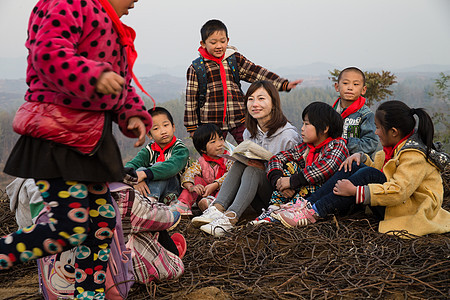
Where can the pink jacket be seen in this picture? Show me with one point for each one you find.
(71, 43)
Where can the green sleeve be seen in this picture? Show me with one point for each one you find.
(173, 165)
(142, 159)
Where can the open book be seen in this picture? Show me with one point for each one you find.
(245, 151)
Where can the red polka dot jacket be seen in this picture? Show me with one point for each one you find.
(71, 43)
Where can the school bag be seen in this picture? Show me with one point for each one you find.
(57, 272)
(151, 261)
(199, 66)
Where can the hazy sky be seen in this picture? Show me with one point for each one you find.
(370, 34)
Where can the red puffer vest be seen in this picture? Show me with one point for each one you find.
(79, 129)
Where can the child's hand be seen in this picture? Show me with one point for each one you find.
(142, 188)
(141, 175)
(283, 183)
(344, 187)
(210, 188)
(257, 164)
(293, 84)
(199, 189)
(110, 83)
(347, 164)
(136, 125)
(288, 193)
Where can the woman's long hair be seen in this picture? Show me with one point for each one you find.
(277, 118)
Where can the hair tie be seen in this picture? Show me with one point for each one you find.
(412, 111)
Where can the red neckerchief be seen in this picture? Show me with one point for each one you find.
(220, 162)
(354, 107)
(389, 151)
(156, 147)
(126, 37)
(223, 76)
(312, 156)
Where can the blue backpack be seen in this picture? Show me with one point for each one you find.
(199, 66)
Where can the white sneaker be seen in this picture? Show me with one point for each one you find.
(219, 226)
(208, 216)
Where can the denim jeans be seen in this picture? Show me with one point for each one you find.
(160, 188)
(326, 202)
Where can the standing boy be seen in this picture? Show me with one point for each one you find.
(359, 120)
(159, 164)
(213, 93)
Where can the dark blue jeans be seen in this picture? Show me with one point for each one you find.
(326, 202)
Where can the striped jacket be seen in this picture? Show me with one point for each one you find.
(330, 157)
(212, 111)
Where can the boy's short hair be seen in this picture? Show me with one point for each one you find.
(321, 115)
(203, 134)
(160, 111)
(352, 69)
(212, 26)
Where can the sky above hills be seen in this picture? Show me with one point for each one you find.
(377, 34)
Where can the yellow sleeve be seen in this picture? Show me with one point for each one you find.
(404, 174)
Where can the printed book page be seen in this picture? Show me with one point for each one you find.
(245, 151)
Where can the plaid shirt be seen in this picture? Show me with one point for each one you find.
(327, 163)
(212, 111)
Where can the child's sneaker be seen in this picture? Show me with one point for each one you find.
(219, 226)
(208, 216)
(206, 202)
(177, 219)
(181, 207)
(169, 199)
(265, 216)
(296, 215)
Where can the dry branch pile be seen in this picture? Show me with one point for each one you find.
(343, 258)
(338, 258)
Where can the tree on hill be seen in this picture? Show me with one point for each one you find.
(377, 84)
(441, 91)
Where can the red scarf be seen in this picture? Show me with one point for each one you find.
(354, 107)
(223, 76)
(156, 147)
(126, 37)
(220, 162)
(389, 151)
(312, 156)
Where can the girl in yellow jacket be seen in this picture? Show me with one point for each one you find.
(402, 185)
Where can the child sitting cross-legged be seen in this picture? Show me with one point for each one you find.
(297, 172)
(157, 166)
(202, 180)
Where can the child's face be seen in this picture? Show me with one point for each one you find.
(309, 133)
(259, 105)
(351, 86)
(215, 146)
(216, 44)
(387, 138)
(122, 6)
(162, 131)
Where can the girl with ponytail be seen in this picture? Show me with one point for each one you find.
(402, 185)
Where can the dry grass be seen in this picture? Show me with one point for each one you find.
(340, 258)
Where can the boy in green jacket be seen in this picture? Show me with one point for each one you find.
(158, 165)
